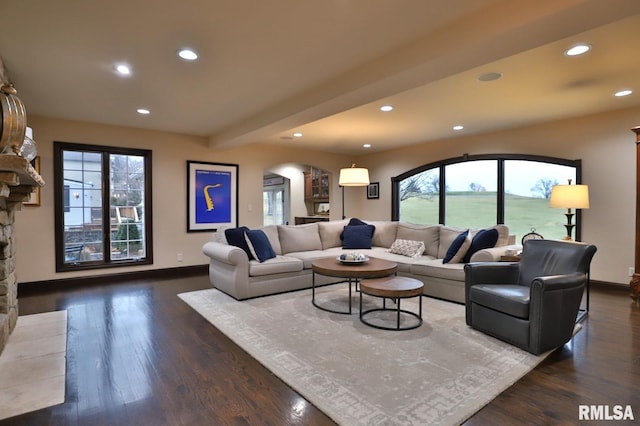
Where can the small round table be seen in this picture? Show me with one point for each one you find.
(396, 288)
(351, 272)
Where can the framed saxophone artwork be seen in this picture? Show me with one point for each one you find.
(212, 196)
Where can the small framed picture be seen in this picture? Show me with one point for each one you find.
(373, 190)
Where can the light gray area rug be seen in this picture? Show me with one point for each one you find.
(440, 373)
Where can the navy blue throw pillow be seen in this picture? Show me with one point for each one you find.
(484, 238)
(358, 236)
(354, 221)
(454, 254)
(235, 237)
(259, 245)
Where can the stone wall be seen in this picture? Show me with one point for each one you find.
(8, 282)
(17, 180)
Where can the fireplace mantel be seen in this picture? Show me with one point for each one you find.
(18, 174)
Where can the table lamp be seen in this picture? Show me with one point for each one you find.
(569, 197)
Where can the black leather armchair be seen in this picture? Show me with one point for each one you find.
(532, 304)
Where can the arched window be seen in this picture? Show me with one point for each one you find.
(475, 191)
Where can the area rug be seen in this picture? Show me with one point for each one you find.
(440, 373)
(33, 364)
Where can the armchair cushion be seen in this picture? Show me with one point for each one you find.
(510, 299)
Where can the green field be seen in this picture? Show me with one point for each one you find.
(478, 210)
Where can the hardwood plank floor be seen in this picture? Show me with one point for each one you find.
(137, 354)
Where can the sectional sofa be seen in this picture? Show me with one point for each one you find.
(296, 246)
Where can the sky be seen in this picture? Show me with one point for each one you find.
(520, 175)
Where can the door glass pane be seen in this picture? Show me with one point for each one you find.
(527, 191)
(82, 193)
(273, 207)
(418, 197)
(471, 194)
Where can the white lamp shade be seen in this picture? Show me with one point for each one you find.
(354, 176)
(570, 197)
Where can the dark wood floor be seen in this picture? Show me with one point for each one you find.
(137, 354)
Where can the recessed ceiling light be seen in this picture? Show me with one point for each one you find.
(143, 111)
(621, 93)
(297, 135)
(366, 145)
(386, 108)
(490, 76)
(123, 69)
(578, 49)
(188, 54)
(458, 127)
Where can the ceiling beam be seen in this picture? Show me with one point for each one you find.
(506, 28)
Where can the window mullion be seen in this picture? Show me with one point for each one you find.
(442, 195)
(106, 209)
(500, 194)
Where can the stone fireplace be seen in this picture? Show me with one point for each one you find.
(17, 180)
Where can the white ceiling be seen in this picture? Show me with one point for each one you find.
(269, 68)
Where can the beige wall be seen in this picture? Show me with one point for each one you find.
(35, 225)
(603, 142)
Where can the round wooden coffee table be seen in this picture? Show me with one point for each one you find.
(396, 288)
(351, 274)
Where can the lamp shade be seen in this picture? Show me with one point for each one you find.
(354, 176)
(570, 197)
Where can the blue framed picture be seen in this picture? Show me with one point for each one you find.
(212, 191)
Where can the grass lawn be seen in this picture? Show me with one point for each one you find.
(478, 210)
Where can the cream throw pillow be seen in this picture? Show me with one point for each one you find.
(407, 248)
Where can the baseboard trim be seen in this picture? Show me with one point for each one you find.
(39, 287)
(609, 284)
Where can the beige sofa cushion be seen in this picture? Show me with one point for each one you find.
(447, 235)
(385, 233)
(271, 231)
(294, 238)
(330, 233)
(437, 269)
(429, 234)
(276, 265)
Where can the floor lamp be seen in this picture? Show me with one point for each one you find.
(352, 176)
(572, 197)
(569, 197)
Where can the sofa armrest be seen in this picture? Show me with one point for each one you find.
(225, 253)
(228, 269)
(554, 307)
(494, 254)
